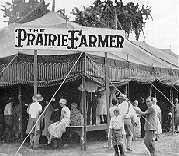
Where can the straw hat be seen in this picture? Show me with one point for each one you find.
(37, 97)
(63, 101)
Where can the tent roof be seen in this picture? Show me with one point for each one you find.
(162, 54)
(134, 52)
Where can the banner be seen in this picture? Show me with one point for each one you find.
(87, 39)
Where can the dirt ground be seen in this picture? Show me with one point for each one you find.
(167, 145)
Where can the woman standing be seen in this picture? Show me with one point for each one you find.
(58, 128)
(101, 109)
(137, 129)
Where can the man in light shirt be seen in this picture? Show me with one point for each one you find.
(130, 118)
(34, 111)
(116, 127)
(150, 126)
(8, 119)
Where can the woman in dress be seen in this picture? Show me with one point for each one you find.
(159, 120)
(101, 109)
(137, 129)
(58, 128)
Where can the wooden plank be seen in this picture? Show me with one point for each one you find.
(97, 127)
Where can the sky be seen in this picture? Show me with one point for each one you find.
(162, 32)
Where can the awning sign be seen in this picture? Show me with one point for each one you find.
(88, 39)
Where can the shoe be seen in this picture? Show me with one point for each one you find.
(129, 149)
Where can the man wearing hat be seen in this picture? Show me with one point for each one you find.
(34, 110)
(130, 118)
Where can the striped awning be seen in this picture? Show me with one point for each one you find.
(53, 69)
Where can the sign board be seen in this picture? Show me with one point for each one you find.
(85, 39)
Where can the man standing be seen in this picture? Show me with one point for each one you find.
(8, 120)
(33, 127)
(130, 118)
(150, 126)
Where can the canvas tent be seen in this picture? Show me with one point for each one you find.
(132, 63)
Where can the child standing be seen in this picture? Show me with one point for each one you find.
(33, 126)
(116, 127)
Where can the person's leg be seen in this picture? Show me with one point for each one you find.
(36, 134)
(31, 140)
(121, 148)
(114, 143)
(105, 118)
(129, 133)
(36, 138)
(89, 112)
(94, 113)
(116, 150)
(129, 143)
(101, 119)
(149, 141)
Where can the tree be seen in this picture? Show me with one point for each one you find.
(20, 11)
(130, 17)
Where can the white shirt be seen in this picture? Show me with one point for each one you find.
(8, 109)
(127, 110)
(35, 109)
(65, 113)
(111, 110)
(117, 123)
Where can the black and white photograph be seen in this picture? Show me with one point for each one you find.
(89, 78)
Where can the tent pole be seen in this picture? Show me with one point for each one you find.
(127, 89)
(35, 72)
(150, 90)
(107, 92)
(21, 110)
(20, 122)
(171, 99)
(83, 137)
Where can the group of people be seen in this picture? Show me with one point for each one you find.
(56, 120)
(124, 124)
(125, 119)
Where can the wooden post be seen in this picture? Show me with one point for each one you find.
(21, 110)
(150, 90)
(35, 72)
(20, 122)
(83, 136)
(107, 92)
(127, 90)
(171, 100)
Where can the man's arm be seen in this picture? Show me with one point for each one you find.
(147, 112)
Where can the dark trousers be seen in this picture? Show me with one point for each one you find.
(91, 112)
(8, 133)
